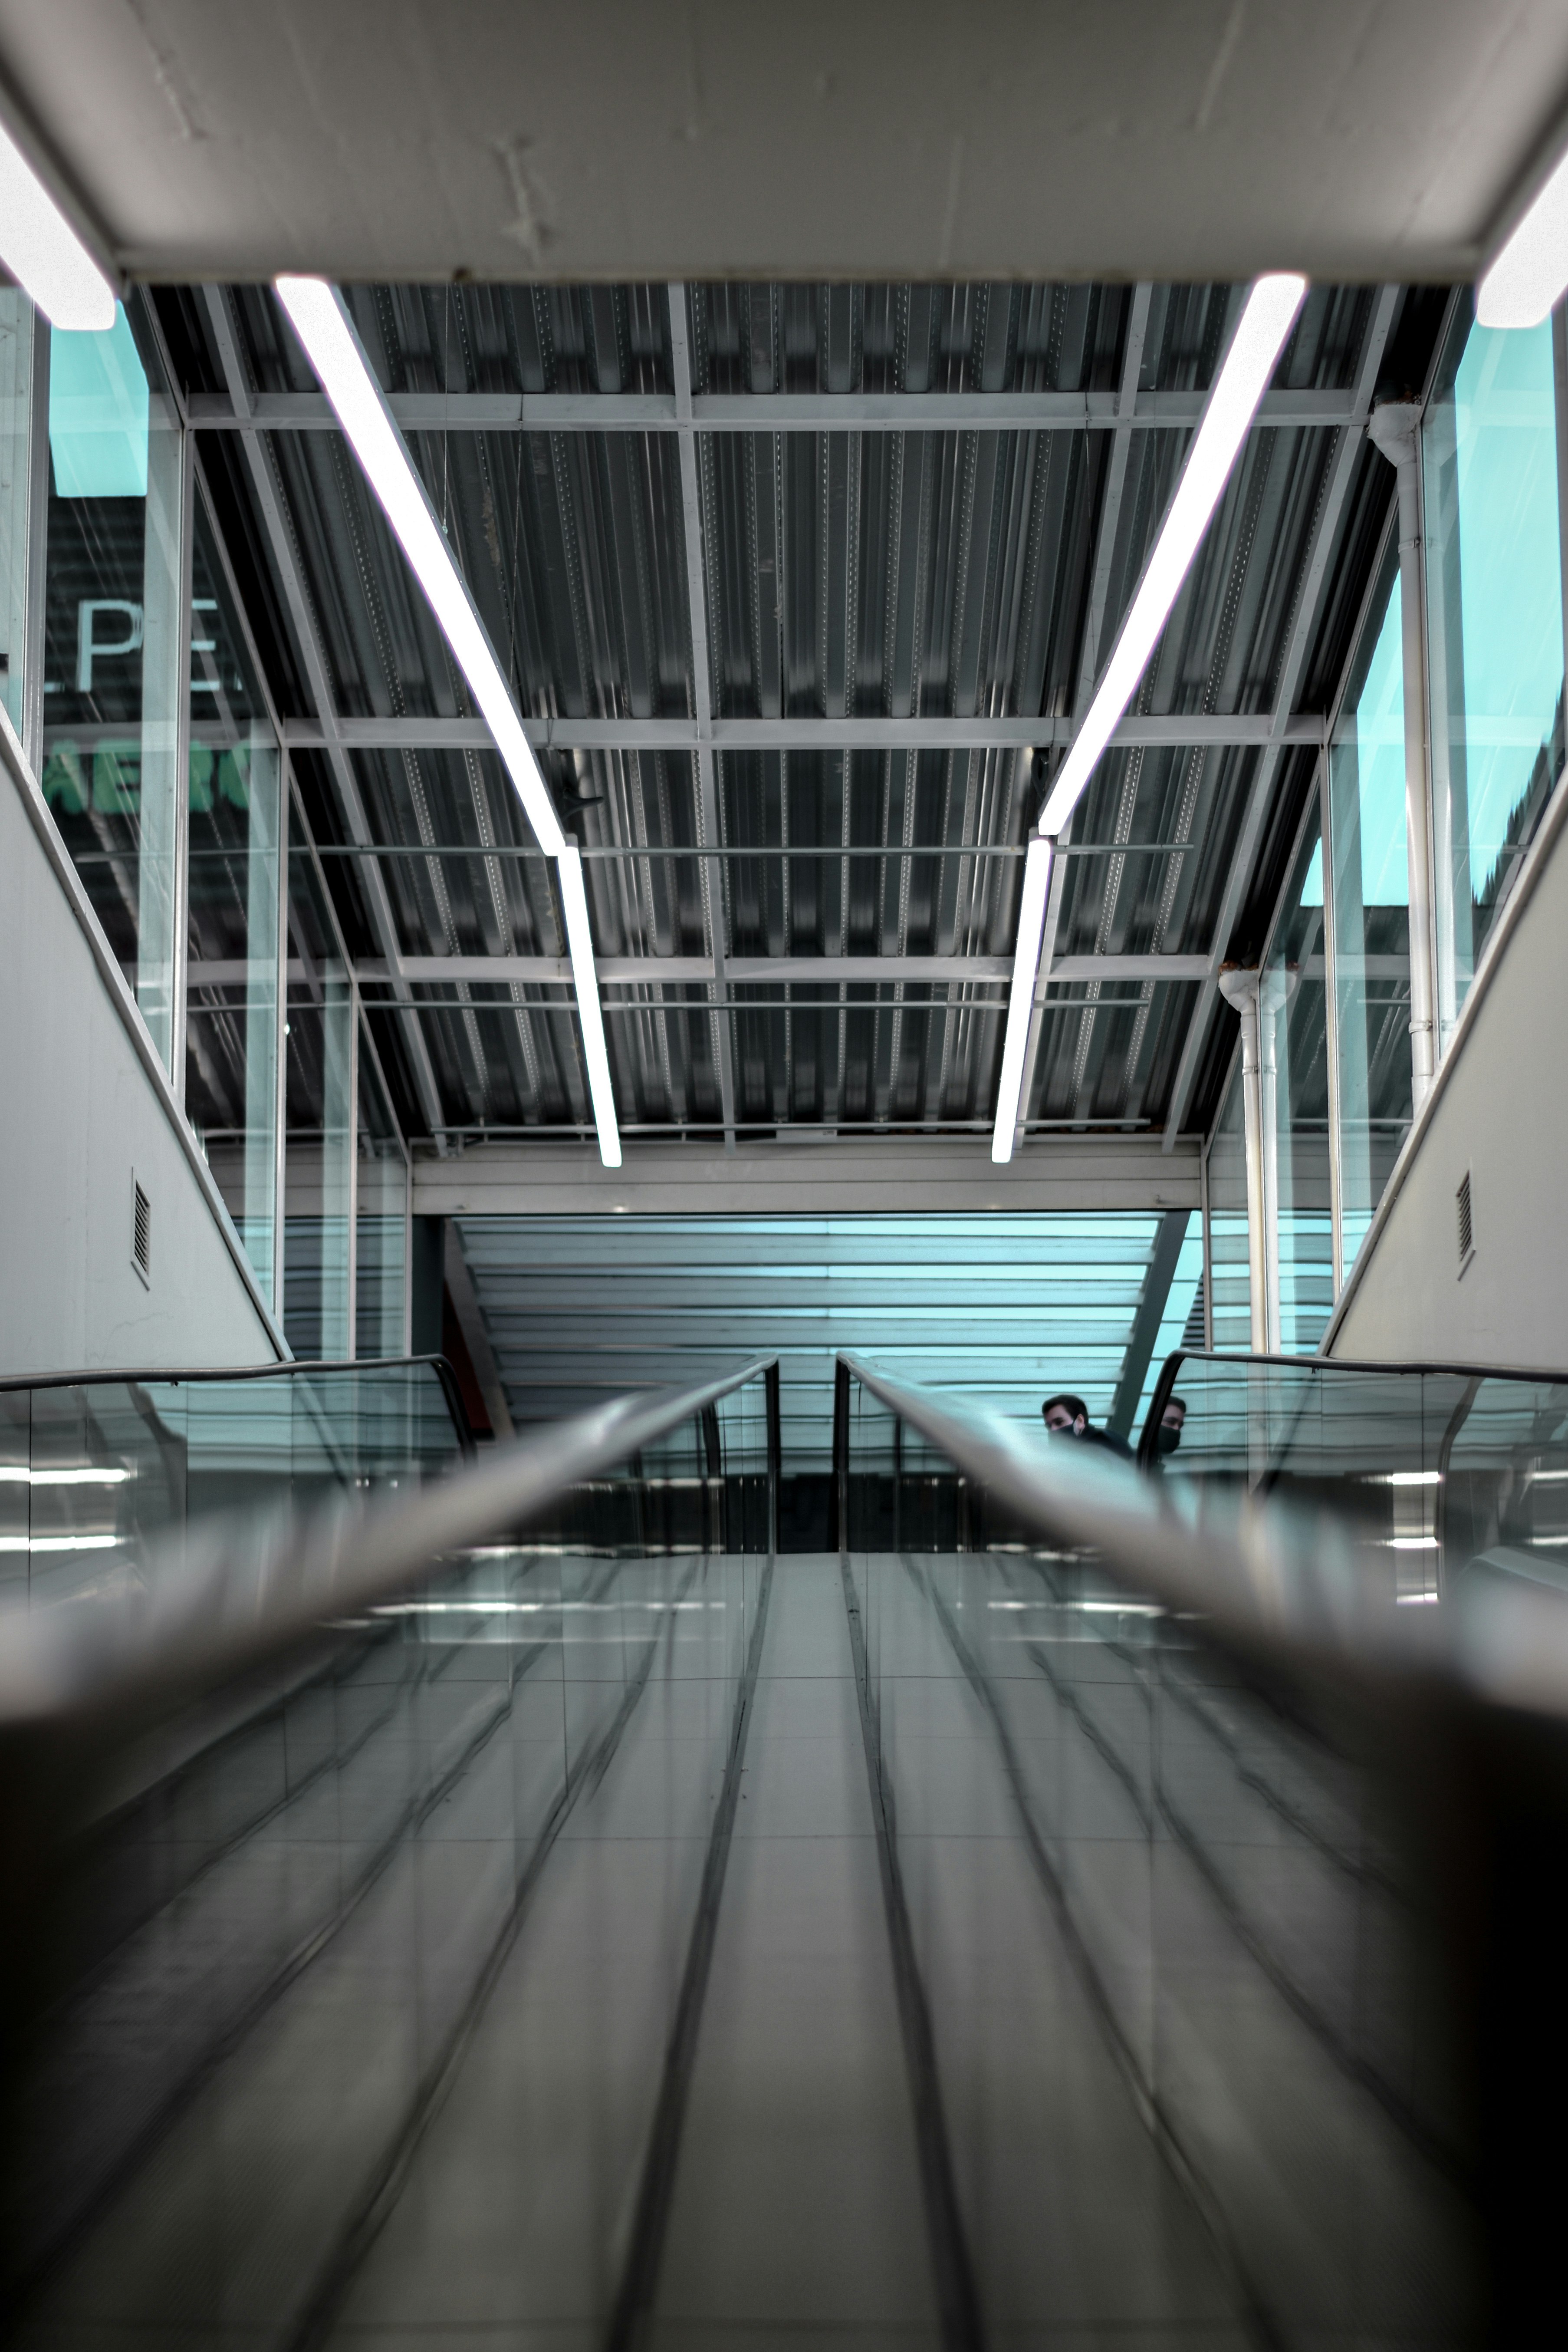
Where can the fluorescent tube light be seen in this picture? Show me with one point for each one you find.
(1021, 1002)
(44, 253)
(595, 1053)
(320, 319)
(1532, 270)
(1267, 319)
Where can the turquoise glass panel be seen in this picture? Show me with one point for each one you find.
(98, 414)
(1494, 587)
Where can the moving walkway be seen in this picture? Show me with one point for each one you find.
(501, 1899)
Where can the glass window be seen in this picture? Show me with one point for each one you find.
(1230, 1271)
(1494, 589)
(235, 811)
(382, 1219)
(1293, 997)
(111, 660)
(1370, 912)
(319, 1165)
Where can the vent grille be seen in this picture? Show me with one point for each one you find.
(141, 1233)
(1467, 1222)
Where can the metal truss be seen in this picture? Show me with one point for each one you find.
(788, 412)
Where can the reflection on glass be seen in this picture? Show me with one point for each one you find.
(95, 1476)
(1256, 1947)
(1371, 903)
(1294, 997)
(235, 811)
(16, 334)
(112, 662)
(1230, 1271)
(1495, 626)
(380, 1221)
(319, 1165)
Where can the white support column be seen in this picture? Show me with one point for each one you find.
(1394, 428)
(1259, 998)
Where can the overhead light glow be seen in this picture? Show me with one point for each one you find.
(44, 253)
(1021, 1002)
(320, 319)
(1266, 321)
(579, 946)
(1532, 270)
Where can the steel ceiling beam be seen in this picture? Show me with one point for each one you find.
(318, 685)
(1181, 732)
(750, 971)
(1304, 633)
(787, 412)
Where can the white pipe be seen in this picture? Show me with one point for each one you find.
(1393, 429)
(1240, 990)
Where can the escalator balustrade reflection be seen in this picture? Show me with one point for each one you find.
(450, 1896)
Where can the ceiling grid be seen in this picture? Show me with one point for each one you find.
(800, 584)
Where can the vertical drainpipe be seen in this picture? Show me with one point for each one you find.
(1393, 429)
(1259, 997)
(1240, 988)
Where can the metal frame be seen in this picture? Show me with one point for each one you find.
(1330, 942)
(703, 732)
(1313, 806)
(36, 588)
(292, 816)
(761, 411)
(313, 662)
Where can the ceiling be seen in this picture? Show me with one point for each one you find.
(797, 673)
(417, 140)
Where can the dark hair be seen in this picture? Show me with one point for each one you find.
(1076, 1406)
(1175, 1399)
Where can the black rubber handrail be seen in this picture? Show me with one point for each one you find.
(236, 1594)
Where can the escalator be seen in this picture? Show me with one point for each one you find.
(502, 1901)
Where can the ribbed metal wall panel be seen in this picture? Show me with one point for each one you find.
(999, 1310)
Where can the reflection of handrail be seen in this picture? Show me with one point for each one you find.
(1279, 1582)
(236, 1594)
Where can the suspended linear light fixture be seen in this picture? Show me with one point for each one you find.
(595, 1053)
(1532, 270)
(320, 319)
(1267, 317)
(44, 253)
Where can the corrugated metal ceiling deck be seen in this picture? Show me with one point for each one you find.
(949, 589)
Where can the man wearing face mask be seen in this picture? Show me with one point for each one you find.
(1068, 1416)
(1173, 1421)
